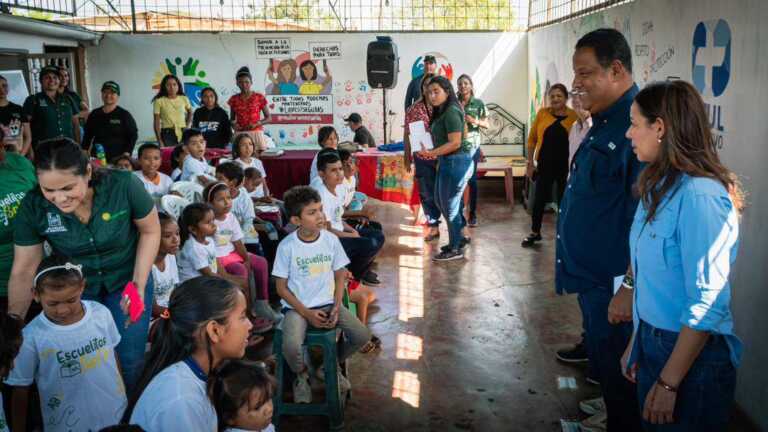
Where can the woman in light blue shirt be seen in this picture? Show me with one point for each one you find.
(683, 242)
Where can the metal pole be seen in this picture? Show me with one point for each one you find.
(133, 15)
(385, 114)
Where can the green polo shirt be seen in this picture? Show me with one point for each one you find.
(49, 118)
(450, 121)
(475, 108)
(17, 177)
(106, 245)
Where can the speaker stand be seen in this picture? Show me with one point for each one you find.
(384, 103)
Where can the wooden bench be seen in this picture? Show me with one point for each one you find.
(505, 169)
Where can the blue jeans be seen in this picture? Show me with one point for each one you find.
(453, 173)
(606, 343)
(133, 339)
(362, 250)
(704, 397)
(425, 172)
(472, 185)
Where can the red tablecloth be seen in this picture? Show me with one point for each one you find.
(211, 155)
(383, 176)
(288, 170)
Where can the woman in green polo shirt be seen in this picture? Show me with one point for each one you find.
(454, 164)
(101, 219)
(17, 177)
(476, 118)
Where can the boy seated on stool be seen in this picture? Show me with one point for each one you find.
(361, 243)
(311, 279)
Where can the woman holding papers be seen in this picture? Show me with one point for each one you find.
(417, 118)
(548, 155)
(454, 167)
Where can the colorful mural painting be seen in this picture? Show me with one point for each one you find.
(444, 67)
(191, 77)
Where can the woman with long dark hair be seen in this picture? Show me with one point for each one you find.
(548, 155)
(476, 118)
(425, 170)
(172, 111)
(683, 244)
(454, 163)
(212, 120)
(102, 219)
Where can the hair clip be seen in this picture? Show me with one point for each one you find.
(165, 314)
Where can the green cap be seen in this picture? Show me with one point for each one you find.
(111, 85)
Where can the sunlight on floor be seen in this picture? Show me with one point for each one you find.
(411, 228)
(409, 347)
(411, 241)
(406, 387)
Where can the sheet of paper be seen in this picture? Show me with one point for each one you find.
(421, 142)
(417, 128)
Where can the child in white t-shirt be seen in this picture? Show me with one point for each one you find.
(156, 183)
(247, 156)
(242, 391)
(231, 174)
(326, 138)
(10, 343)
(235, 259)
(206, 323)
(311, 279)
(195, 167)
(178, 155)
(198, 250)
(165, 273)
(69, 352)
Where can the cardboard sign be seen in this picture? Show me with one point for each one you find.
(274, 47)
(325, 50)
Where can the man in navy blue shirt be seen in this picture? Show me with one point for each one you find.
(596, 214)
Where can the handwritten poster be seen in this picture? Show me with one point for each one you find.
(299, 109)
(273, 47)
(325, 50)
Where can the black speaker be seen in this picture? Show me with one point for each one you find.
(383, 63)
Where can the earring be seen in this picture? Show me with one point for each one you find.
(658, 140)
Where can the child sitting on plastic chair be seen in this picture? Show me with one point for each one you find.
(310, 261)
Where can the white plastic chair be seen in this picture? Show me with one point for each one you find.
(173, 205)
(191, 191)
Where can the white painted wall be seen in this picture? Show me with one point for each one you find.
(496, 61)
(32, 43)
(661, 36)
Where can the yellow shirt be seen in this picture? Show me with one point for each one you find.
(173, 113)
(310, 88)
(543, 120)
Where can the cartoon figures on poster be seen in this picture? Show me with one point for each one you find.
(298, 76)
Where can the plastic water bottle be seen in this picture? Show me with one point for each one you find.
(100, 155)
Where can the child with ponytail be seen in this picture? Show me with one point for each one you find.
(205, 324)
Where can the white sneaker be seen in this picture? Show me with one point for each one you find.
(596, 423)
(592, 406)
(302, 392)
(344, 384)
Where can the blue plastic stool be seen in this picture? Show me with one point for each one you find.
(332, 407)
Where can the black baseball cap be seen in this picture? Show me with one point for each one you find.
(354, 118)
(111, 85)
(50, 69)
(430, 59)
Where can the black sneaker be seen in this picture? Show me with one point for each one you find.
(449, 255)
(463, 244)
(530, 240)
(472, 222)
(371, 279)
(575, 354)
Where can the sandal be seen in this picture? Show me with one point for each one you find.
(371, 345)
(530, 240)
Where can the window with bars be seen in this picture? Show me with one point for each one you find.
(546, 12)
(299, 15)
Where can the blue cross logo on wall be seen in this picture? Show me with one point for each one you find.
(711, 56)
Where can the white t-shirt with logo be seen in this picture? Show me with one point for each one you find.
(175, 400)
(244, 211)
(227, 231)
(75, 369)
(309, 267)
(156, 191)
(333, 204)
(350, 184)
(255, 163)
(165, 281)
(195, 256)
(195, 167)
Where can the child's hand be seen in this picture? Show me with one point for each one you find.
(317, 318)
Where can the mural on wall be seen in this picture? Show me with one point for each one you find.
(192, 78)
(361, 98)
(444, 67)
(711, 70)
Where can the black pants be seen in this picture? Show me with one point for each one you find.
(545, 179)
(362, 250)
(169, 137)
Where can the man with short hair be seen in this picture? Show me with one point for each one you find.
(50, 114)
(363, 136)
(414, 87)
(110, 125)
(10, 122)
(595, 218)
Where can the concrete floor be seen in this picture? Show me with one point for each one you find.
(467, 345)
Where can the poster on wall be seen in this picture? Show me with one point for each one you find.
(325, 50)
(17, 87)
(272, 48)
